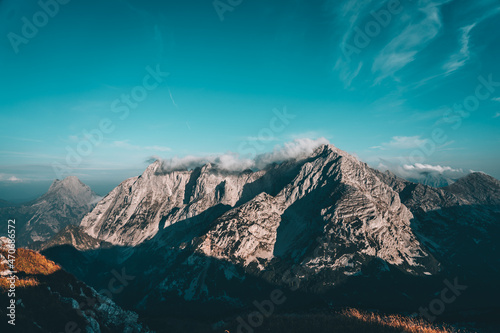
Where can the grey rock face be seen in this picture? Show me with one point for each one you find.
(256, 218)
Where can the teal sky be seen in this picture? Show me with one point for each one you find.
(380, 94)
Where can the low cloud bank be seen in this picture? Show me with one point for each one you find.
(433, 175)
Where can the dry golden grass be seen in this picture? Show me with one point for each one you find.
(20, 283)
(27, 263)
(31, 262)
(343, 321)
(406, 324)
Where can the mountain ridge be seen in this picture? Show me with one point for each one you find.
(326, 223)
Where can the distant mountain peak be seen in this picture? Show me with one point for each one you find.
(478, 176)
(65, 203)
(477, 187)
(71, 189)
(68, 182)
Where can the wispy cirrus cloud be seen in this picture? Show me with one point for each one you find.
(22, 139)
(127, 145)
(354, 12)
(172, 98)
(496, 99)
(459, 59)
(402, 142)
(418, 32)
(412, 27)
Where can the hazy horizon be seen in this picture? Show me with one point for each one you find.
(21, 191)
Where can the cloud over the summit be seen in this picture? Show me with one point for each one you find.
(231, 161)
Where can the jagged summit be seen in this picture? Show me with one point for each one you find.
(68, 182)
(327, 191)
(220, 163)
(326, 149)
(71, 191)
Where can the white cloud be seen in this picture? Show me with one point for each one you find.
(429, 168)
(297, 149)
(403, 49)
(157, 148)
(404, 142)
(459, 59)
(434, 175)
(172, 98)
(496, 99)
(127, 145)
(258, 138)
(228, 161)
(9, 178)
(354, 11)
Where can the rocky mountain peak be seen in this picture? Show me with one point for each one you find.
(279, 208)
(326, 149)
(155, 166)
(70, 182)
(65, 203)
(70, 190)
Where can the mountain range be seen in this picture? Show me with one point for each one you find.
(325, 229)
